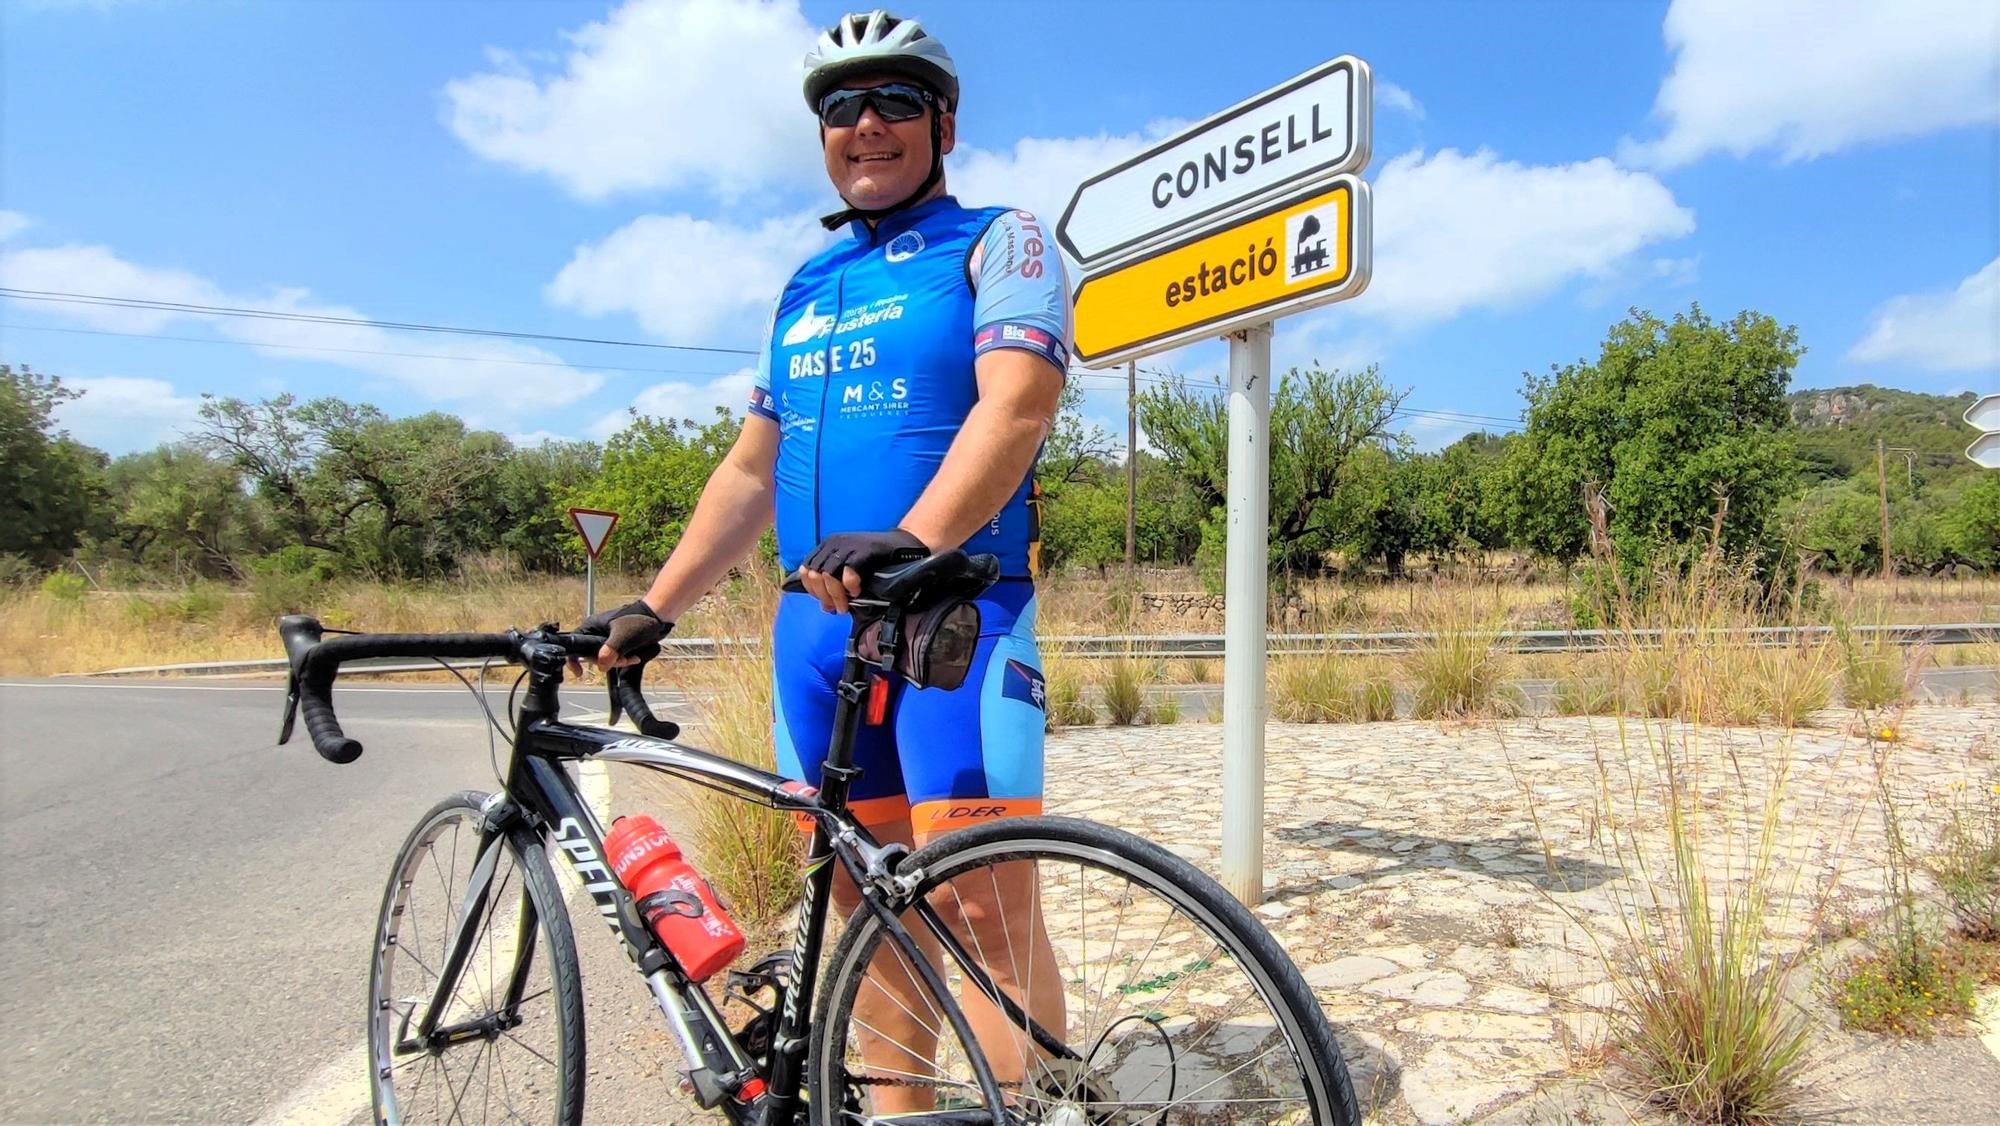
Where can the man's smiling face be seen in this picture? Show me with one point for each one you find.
(874, 163)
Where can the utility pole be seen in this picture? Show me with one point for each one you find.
(1882, 490)
(1131, 466)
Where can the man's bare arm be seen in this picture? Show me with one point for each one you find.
(1018, 392)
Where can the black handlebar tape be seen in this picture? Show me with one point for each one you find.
(633, 700)
(316, 706)
(793, 583)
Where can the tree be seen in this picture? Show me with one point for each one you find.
(275, 443)
(1320, 419)
(50, 486)
(534, 486)
(1671, 421)
(177, 506)
(1971, 528)
(652, 473)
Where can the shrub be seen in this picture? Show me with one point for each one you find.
(275, 593)
(310, 563)
(64, 587)
(1166, 708)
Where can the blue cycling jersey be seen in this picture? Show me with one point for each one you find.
(868, 368)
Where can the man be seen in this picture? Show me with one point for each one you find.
(907, 381)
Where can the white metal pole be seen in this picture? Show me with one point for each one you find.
(1244, 613)
(589, 585)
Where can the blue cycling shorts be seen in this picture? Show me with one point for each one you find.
(940, 759)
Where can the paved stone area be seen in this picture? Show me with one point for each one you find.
(1454, 892)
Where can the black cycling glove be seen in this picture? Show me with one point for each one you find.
(627, 629)
(866, 552)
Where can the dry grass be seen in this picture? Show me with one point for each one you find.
(1704, 1020)
(1456, 669)
(751, 854)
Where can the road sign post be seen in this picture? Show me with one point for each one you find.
(1985, 415)
(1250, 215)
(595, 528)
(1245, 563)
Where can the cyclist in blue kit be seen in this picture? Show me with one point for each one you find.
(908, 378)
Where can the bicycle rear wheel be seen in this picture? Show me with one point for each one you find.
(518, 1063)
(1160, 994)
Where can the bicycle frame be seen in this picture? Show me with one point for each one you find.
(541, 795)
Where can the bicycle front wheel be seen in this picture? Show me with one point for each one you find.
(1134, 990)
(510, 1047)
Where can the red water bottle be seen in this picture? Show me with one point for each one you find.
(673, 899)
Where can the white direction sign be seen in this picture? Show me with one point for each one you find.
(594, 526)
(1985, 414)
(1985, 450)
(1315, 125)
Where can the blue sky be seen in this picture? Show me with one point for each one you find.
(647, 172)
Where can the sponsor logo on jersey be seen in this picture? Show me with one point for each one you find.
(904, 247)
(808, 327)
(1025, 684)
(887, 309)
(760, 401)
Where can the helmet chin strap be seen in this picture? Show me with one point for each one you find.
(841, 218)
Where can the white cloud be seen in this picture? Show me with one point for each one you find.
(1039, 174)
(1454, 231)
(1395, 97)
(13, 223)
(497, 373)
(688, 280)
(119, 414)
(1956, 331)
(680, 399)
(660, 94)
(1809, 77)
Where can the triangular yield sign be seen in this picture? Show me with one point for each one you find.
(594, 526)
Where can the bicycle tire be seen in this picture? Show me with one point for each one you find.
(1326, 1094)
(393, 996)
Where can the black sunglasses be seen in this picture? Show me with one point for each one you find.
(895, 101)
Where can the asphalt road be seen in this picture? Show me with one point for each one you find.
(186, 909)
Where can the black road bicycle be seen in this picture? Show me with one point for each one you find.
(1125, 988)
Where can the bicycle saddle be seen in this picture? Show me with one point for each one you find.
(918, 586)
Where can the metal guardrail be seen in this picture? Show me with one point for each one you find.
(1169, 646)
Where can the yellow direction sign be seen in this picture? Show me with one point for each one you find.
(1299, 251)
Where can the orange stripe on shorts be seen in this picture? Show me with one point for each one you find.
(957, 813)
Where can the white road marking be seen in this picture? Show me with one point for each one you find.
(332, 1097)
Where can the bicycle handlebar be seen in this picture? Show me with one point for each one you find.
(315, 662)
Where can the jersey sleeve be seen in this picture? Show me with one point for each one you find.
(1020, 292)
(760, 388)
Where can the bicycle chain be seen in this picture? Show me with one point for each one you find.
(890, 1081)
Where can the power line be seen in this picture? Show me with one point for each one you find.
(317, 318)
(362, 351)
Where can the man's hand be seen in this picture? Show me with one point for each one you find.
(626, 630)
(834, 570)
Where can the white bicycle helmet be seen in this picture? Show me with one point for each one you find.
(879, 43)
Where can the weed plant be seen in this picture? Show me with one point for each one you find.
(1698, 831)
(1456, 668)
(1123, 681)
(1965, 863)
(749, 852)
(1910, 981)
(1063, 678)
